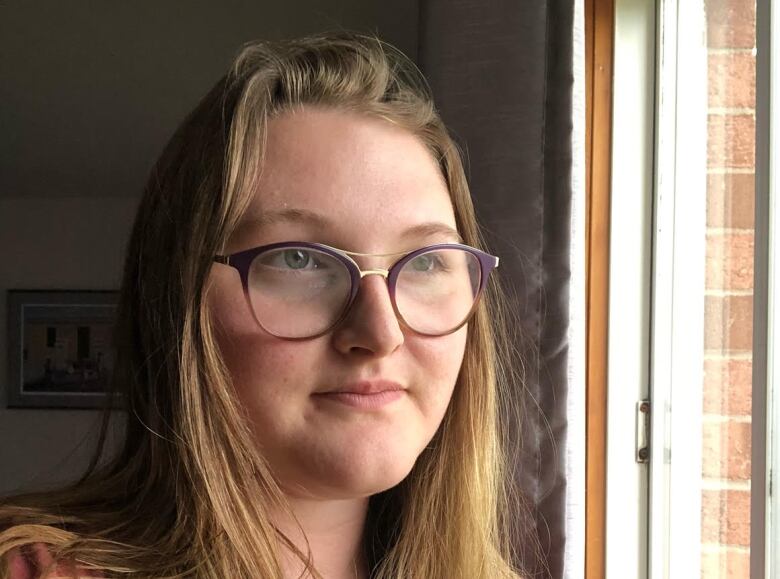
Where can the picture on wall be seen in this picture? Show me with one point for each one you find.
(60, 348)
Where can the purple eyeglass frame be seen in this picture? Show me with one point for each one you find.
(242, 261)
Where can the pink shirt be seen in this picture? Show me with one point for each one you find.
(33, 561)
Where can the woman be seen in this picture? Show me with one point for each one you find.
(288, 415)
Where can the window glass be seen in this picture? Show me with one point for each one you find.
(726, 465)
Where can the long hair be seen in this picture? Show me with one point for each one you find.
(188, 495)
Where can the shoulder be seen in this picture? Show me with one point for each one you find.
(31, 562)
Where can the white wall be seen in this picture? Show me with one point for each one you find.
(54, 243)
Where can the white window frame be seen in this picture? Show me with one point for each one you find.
(677, 321)
(654, 514)
(633, 109)
(765, 430)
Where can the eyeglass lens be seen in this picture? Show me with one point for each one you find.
(298, 292)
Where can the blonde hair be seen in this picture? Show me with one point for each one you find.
(188, 495)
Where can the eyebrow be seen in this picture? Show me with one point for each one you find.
(318, 221)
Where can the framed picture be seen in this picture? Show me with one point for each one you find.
(60, 348)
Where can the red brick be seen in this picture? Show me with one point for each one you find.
(726, 450)
(731, 141)
(726, 517)
(728, 387)
(730, 261)
(728, 323)
(731, 80)
(731, 23)
(725, 565)
(731, 200)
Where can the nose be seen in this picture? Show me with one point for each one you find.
(371, 324)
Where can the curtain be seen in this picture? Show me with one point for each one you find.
(502, 76)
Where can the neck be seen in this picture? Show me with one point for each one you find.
(334, 530)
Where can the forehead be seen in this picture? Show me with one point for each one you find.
(367, 180)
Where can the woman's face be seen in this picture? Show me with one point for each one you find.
(359, 184)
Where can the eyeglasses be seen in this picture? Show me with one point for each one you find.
(299, 290)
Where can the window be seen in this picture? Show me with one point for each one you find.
(682, 299)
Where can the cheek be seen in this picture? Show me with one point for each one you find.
(249, 353)
(234, 327)
(438, 364)
(447, 353)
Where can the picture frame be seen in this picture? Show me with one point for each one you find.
(60, 348)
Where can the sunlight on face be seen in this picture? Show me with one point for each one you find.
(360, 184)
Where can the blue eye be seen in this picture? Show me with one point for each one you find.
(296, 258)
(422, 263)
(434, 262)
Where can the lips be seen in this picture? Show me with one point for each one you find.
(365, 395)
(368, 387)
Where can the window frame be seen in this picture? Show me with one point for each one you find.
(628, 366)
(765, 428)
(643, 219)
(678, 291)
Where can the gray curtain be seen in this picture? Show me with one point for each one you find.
(501, 73)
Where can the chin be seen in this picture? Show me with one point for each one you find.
(354, 477)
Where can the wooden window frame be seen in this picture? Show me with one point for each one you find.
(599, 35)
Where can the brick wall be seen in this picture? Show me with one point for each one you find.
(729, 289)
